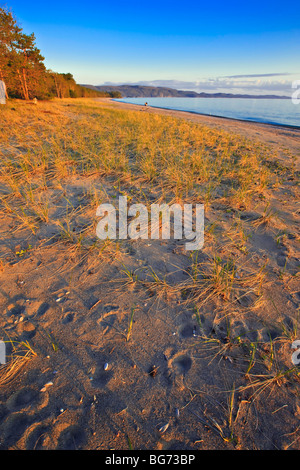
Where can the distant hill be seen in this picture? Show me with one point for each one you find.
(139, 91)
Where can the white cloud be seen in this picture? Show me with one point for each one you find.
(254, 84)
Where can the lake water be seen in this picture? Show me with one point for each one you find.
(271, 111)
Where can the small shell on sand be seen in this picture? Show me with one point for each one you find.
(164, 428)
(46, 386)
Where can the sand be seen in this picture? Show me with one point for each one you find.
(173, 378)
(279, 137)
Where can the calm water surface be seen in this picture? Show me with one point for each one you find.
(269, 111)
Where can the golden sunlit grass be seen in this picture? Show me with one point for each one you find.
(42, 147)
(182, 159)
(268, 218)
(223, 279)
(21, 353)
(60, 160)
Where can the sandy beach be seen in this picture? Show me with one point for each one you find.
(281, 138)
(141, 344)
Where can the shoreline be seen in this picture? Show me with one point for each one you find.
(274, 124)
(282, 139)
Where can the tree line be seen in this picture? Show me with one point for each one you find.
(23, 70)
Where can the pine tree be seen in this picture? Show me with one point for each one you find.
(22, 66)
(9, 31)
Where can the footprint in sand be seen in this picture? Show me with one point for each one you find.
(281, 260)
(13, 428)
(172, 445)
(3, 412)
(110, 308)
(269, 334)
(108, 318)
(107, 322)
(14, 309)
(101, 373)
(101, 377)
(35, 436)
(36, 308)
(26, 330)
(22, 398)
(71, 438)
(186, 330)
(240, 329)
(68, 318)
(181, 364)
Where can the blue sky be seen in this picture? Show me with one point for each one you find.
(231, 46)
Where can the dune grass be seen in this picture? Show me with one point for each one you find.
(146, 157)
(182, 160)
(21, 353)
(59, 160)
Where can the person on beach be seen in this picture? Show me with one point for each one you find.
(2, 92)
